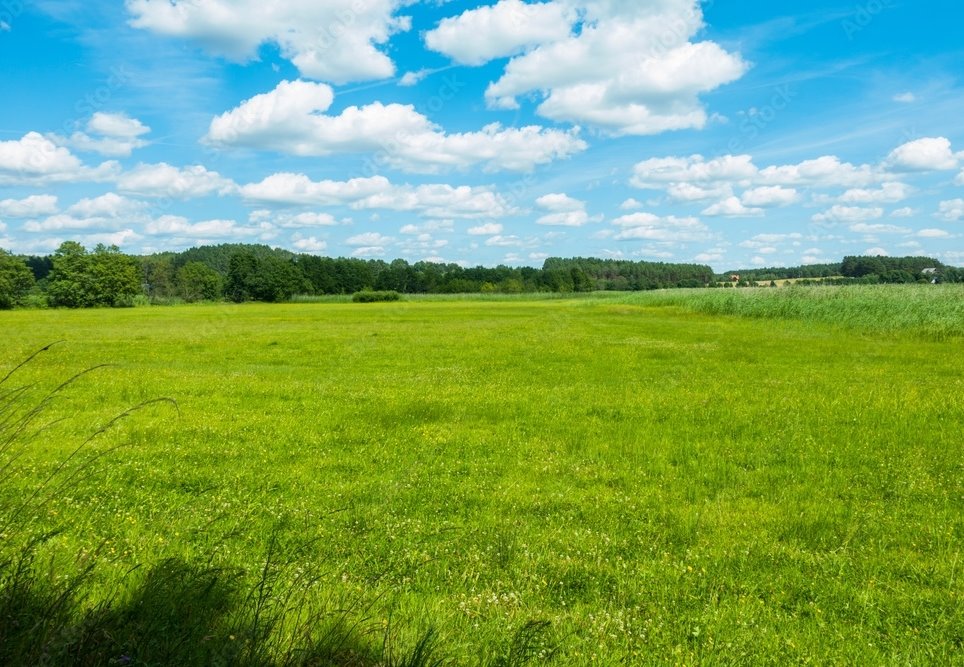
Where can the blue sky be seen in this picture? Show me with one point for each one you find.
(736, 134)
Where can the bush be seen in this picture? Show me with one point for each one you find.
(375, 297)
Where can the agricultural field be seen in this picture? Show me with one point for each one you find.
(700, 477)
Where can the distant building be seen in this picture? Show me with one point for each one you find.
(735, 278)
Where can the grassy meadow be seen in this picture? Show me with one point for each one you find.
(615, 479)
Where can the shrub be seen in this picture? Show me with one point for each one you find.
(375, 297)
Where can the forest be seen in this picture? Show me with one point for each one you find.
(75, 277)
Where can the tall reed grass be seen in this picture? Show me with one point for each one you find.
(932, 311)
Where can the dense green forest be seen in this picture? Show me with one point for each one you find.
(75, 277)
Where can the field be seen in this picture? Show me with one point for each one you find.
(615, 479)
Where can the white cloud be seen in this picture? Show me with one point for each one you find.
(560, 203)
(115, 135)
(933, 234)
(177, 226)
(440, 201)
(930, 154)
(310, 245)
(565, 211)
(657, 173)
(291, 119)
(764, 243)
(288, 220)
(369, 239)
(5, 27)
(707, 257)
(565, 219)
(109, 205)
(888, 193)
(631, 205)
(848, 214)
(334, 40)
(36, 160)
(164, 180)
(876, 252)
(505, 242)
(504, 29)
(628, 67)
(823, 171)
(687, 192)
(906, 212)
(297, 189)
(960, 179)
(646, 226)
(413, 78)
(106, 212)
(732, 207)
(31, 207)
(905, 98)
(770, 196)
(864, 228)
(952, 210)
(491, 229)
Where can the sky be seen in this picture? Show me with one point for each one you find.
(734, 133)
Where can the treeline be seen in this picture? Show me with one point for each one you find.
(75, 277)
(861, 270)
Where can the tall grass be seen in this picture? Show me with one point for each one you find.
(933, 311)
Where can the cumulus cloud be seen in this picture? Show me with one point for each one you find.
(291, 119)
(952, 210)
(631, 205)
(106, 212)
(629, 68)
(934, 234)
(31, 207)
(179, 227)
(657, 173)
(504, 29)
(848, 214)
(732, 207)
(864, 228)
(113, 135)
(646, 226)
(310, 245)
(110, 205)
(334, 40)
(564, 211)
(491, 229)
(441, 201)
(906, 212)
(827, 170)
(687, 192)
(930, 154)
(36, 160)
(770, 196)
(960, 179)
(289, 189)
(288, 220)
(164, 180)
(888, 193)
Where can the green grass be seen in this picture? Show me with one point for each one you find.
(935, 311)
(640, 482)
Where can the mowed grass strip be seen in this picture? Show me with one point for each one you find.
(661, 485)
